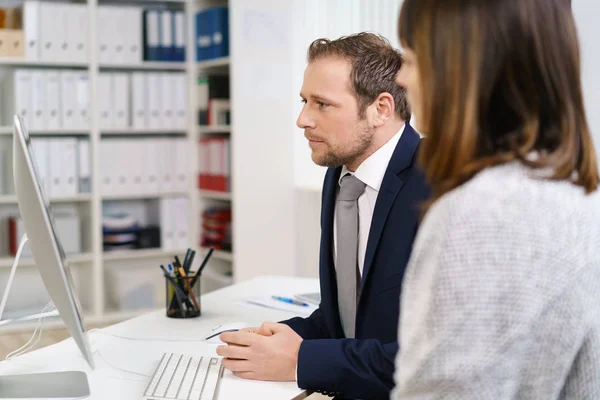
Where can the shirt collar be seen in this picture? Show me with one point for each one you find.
(372, 170)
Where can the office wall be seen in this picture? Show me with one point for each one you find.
(587, 13)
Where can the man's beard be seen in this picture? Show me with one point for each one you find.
(338, 157)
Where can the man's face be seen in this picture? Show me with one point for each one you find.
(330, 116)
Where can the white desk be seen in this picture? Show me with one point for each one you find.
(154, 334)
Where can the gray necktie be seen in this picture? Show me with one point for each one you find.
(346, 265)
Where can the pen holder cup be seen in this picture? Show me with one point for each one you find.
(183, 301)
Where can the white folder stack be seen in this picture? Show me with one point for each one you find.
(120, 35)
(47, 99)
(60, 31)
(63, 164)
(175, 223)
(143, 166)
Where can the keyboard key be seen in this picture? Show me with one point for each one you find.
(178, 378)
(165, 380)
(159, 371)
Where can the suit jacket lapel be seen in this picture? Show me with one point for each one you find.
(390, 187)
(327, 221)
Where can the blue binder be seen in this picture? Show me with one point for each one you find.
(167, 21)
(178, 30)
(151, 39)
(220, 32)
(203, 37)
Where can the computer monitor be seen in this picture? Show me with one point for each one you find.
(50, 258)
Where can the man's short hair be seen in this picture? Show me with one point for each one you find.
(375, 65)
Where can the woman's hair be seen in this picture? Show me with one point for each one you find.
(500, 79)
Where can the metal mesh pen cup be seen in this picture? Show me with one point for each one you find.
(183, 296)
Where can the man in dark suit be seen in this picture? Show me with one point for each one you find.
(355, 119)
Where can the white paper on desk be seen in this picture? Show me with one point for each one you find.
(233, 387)
(269, 302)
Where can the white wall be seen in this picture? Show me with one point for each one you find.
(263, 174)
(587, 15)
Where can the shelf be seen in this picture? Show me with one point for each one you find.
(8, 130)
(209, 194)
(138, 196)
(147, 65)
(140, 253)
(21, 62)
(212, 129)
(12, 199)
(133, 131)
(215, 63)
(7, 262)
(219, 254)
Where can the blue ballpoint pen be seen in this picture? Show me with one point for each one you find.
(290, 301)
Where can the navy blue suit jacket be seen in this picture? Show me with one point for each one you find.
(363, 367)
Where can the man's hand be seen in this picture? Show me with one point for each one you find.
(271, 354)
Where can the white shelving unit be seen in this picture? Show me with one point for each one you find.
(94, 261)
(218, 271)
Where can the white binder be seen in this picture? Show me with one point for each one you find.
(152, 166)
(103, 167)
(181, 163)
(104, 101)
(41, 151)
(53, 109)
(56, 173)
(84, 166)
(38, 100)
(68, 100)
(167, 224)
(68, 157)
(167, 100)
(180, 101)
(105, 29)
(121, 166)
(135, 164)
(49, 34)
(17, 89)
(139, 100)
(168, 165)
(120, 100)
(82, 119)
(155, 117)
(31, 27)
(64, 43)
(182, 223)
(78, 33)
(133, 37)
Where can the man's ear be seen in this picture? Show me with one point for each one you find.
(381, 110)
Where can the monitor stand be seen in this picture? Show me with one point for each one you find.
(66, 385)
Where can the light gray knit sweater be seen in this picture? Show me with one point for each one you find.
(501, 298)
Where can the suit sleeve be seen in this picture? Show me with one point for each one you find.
(352, 367)
(313, 327)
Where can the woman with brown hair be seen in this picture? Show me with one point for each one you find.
(501, 299)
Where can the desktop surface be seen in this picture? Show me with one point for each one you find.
(115, 353)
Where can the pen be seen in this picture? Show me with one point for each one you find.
(290, 301)
(190, 260)
(204, 262)
(188, 287)
(186, 260)
(178, 295)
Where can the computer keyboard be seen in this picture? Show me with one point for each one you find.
(182, 377)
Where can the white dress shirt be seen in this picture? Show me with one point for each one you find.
(371, 173)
